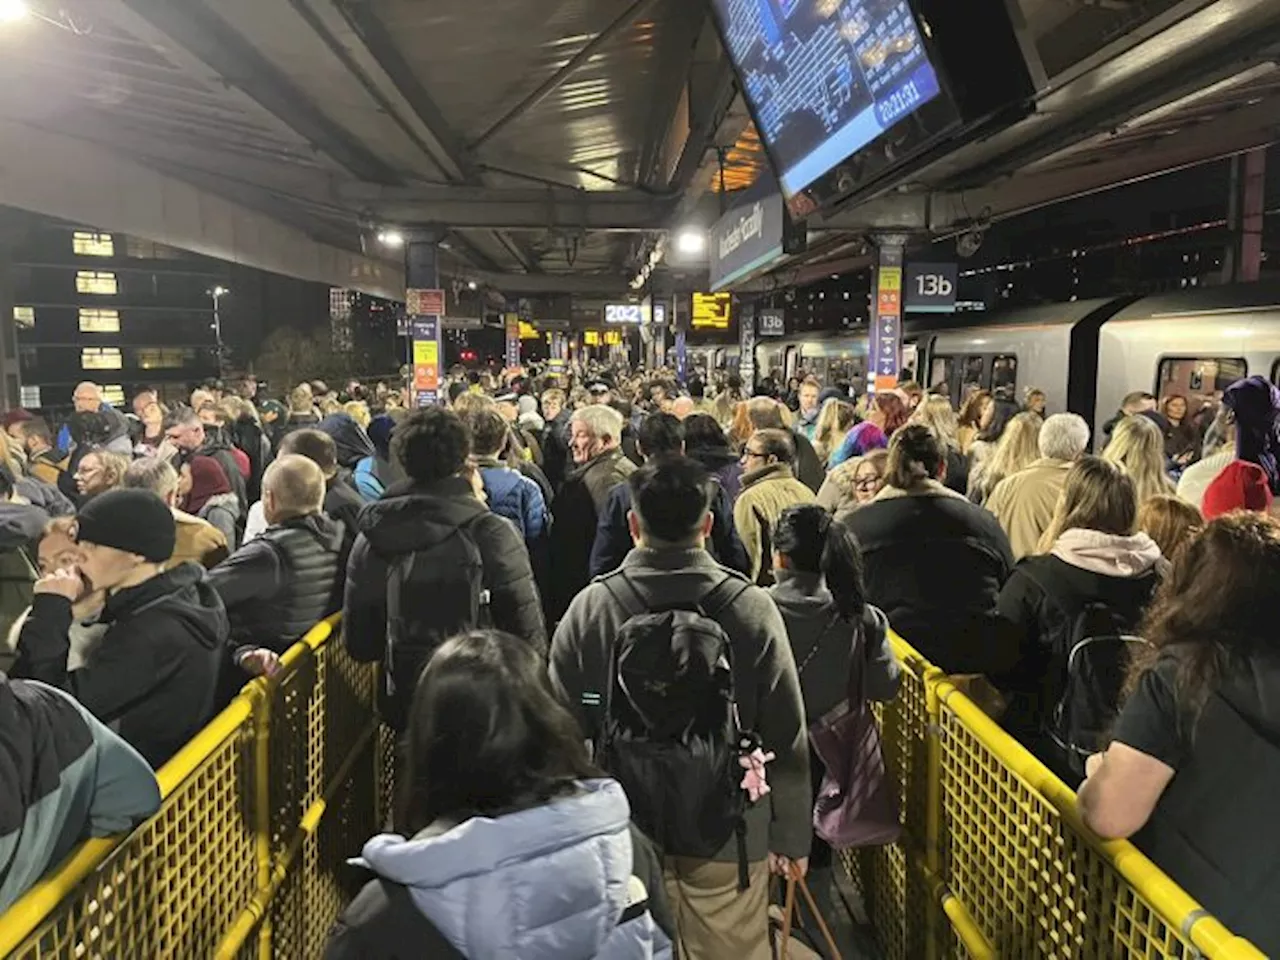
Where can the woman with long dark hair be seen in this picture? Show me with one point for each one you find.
(1194, 764)
(705, 441)
(509, 843)
(819, 591)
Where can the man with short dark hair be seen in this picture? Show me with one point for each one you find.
(765, 413)
(431, 560)
(768, 488)
(45, 461)
(187, 432)
(662, 435)
(810, 407)
(153, 675)
(671, 569)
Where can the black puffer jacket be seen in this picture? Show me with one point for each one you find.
(415, 517)
(935, 563)
(577, 510)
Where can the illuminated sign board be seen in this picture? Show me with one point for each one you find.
(527, 331)
(624, 313)
(711, 311)
(591, 338)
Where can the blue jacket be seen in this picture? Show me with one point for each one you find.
(554, 882)
(514, 496)
(613, 536)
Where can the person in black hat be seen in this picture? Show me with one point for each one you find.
(154, 674)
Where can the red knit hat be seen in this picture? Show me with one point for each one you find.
(1240, 486)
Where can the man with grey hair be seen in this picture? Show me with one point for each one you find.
(599, 465)
(1024, 503)
(196, 539)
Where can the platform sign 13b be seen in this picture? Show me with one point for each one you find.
(931, 287)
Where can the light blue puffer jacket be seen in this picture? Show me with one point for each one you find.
(514, 496)
(548, 883)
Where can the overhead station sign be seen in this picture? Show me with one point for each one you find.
(745, 240)
(711, 311)
(620, 313)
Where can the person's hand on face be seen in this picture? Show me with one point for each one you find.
(64, 582)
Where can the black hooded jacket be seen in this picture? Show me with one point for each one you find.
(154, 675)
(414, 517)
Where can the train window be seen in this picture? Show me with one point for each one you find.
(941, 370)
(1200, 379)
(972, 376)
(1004, 377)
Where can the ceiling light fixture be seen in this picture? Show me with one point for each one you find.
(691, 241)
(388, 238)
(12, 11)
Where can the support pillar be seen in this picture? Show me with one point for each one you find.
(886, 337)
(424, 305)
(1246, 209)
(10, 372)
(746, 313)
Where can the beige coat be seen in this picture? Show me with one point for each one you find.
(765, 494)
(1024, 503)
(197, 540)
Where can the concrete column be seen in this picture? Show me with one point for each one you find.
(1245, 212)
(10, 371)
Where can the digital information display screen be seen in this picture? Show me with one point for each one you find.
(624, 313)
(826, 77)
(711, 311)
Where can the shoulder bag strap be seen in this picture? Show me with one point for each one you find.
(817, 644)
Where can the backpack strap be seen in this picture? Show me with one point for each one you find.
(625, 593)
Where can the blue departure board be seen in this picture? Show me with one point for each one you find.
(826, 77)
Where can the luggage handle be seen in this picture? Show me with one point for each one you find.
(789, 905)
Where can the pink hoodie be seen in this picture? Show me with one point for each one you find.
(1107, 553)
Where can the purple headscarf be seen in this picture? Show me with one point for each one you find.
(1255, 401)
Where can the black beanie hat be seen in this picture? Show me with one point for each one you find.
(135, 521)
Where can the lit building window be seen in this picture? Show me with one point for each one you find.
(24, 317)
(29, 397)
(86, 243)
(113, 393)
(101, 358)
(164, 358)
(99, 321)
(96, 281)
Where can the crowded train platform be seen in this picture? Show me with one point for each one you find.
(584, 661)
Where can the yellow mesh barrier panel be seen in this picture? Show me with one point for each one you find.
(247, 856)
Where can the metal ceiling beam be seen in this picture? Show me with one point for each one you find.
(511, 209)
(554, 82)
(47, 176)
(194, 26)
(683, 22)
(581, 284)
(445, 147)
(710, 107)
(518, 251)
(948, 212)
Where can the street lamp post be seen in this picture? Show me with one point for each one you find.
(218, 293)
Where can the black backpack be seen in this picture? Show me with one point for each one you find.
(1096, 657)
(670, 732)
(432, 595)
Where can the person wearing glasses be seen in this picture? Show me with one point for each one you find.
(768, 487)
(854, 483)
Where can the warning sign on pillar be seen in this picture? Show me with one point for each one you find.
(886, 341)
(420, 302)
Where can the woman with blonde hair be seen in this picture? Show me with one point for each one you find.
(1095, 561)
(358, 411)
(936, 413)
(1137, 444)
(1017, 449)
(854, 483)
(835, 420)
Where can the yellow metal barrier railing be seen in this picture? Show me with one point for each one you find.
(995, 861)
(259, 813)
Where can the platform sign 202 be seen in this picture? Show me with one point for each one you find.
(931, 287)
